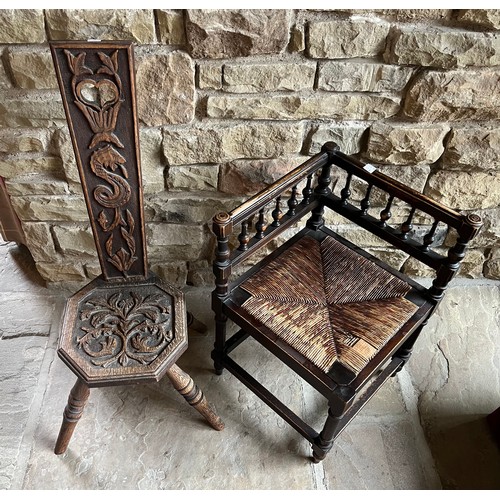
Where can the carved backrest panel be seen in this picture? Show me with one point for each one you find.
(97, 84)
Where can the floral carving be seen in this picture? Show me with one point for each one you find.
(99, 97)
(125, 328)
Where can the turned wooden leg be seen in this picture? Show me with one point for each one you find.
(193, 395)
(220, 342)
(404, 352)
(324, 442)
(76, 403)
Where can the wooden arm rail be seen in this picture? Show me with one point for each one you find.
(315, 198)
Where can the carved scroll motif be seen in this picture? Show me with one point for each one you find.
(125, 328)
(99, 97)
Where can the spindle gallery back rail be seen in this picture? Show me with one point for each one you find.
(287, 204)
(287, 201)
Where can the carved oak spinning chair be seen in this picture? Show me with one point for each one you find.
(339, 317)
(126, 326)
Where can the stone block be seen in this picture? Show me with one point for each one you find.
(39, 241)
(338, 39)
(236, 33)
(465, 190)
(165, 89)
(28, 140)
(75, 240)
(200, 273)
(255, 78)
(404, 144)
(454, 95)
(64, 149)
(296, 107)
(356, 76)
(360, 237)
(489, 236)
(22, 26)
(460, 337)
(390, 445)
(171, 27)
(347, 136)
(21, 108)
(479, 18)
(492, 265)
(32, 69)
(152, 163)
(29, 163)
(247, 177)
(443, 49)
(471, 266)
(101, 24)
(171, 272)
(193, 178)
(414, 14)
(53, 208)
(36, 184)
(179, 242)
(365, 239)
(61, 271)
(472, 148)
(209, 76)
(393, 257)
(187, 208)
(5, 82)
(215, 144)
(92, 270)
(297, 39)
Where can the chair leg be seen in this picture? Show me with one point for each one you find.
(220, 341)
(324, 442)
(193, 395)
(404, 352)
(76, 403)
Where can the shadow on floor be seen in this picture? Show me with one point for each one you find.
(466, 455)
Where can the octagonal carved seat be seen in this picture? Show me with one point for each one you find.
(123, 334)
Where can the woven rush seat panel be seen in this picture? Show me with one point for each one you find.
(329, 303)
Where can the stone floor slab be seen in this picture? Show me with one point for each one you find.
(21, 360)
(456, 370)
(148, 437)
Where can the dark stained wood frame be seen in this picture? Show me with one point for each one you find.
(346, 398)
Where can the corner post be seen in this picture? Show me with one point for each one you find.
(222, 228)
(471, 225)
(323, 188)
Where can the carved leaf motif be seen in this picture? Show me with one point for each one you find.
(109, 245)
(114, 58)
(106, 60)
(103, 220)
(99, 318)
(105, 70)
(77, 64)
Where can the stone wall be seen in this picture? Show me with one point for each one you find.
(230, 100)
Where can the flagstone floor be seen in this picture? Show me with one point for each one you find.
(425, 429)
